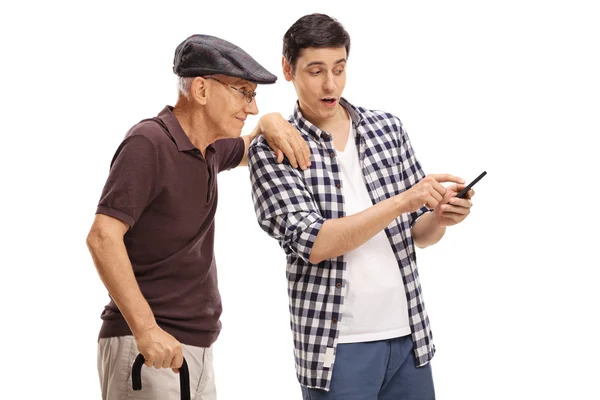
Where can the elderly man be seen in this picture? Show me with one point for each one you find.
(152, 237)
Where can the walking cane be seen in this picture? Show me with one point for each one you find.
(184, 377)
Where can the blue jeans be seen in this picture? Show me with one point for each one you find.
(381, 370)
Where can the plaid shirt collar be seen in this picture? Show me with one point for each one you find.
(312, 130)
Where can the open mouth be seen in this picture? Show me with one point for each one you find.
(329, 101)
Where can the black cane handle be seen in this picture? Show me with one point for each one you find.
(184, 377)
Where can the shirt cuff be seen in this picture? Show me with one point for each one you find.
(309, 229)
(111, 212)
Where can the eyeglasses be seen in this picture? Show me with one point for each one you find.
(248, 95)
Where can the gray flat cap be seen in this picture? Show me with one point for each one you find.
(201, 55)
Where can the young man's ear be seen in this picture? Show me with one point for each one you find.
(287, 69)
(199, 90)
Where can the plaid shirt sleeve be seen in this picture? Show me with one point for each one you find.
(413, 173)
(284, 207)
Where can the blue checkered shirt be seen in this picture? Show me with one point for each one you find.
(291, 206)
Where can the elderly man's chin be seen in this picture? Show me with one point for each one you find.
(231, 133)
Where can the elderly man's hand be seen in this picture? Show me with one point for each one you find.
(160, 349)
(284, 139)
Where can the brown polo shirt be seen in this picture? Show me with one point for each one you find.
(166, 191)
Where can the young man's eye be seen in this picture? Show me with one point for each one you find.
(339, 72)
(318, 72)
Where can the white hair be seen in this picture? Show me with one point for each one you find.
(184, 85)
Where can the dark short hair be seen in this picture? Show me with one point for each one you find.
(313, 30)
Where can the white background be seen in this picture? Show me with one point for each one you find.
(508, 87)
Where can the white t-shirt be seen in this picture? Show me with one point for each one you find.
(375, 305)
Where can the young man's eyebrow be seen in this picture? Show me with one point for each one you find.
(312, 64)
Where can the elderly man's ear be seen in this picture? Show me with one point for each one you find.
(199, 90)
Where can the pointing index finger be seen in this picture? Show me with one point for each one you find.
(447, 178)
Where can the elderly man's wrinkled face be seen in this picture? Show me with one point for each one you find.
(230, 101)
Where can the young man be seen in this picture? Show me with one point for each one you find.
(348, 226)
(152, 238)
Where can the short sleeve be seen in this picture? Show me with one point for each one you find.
(131, 183)
(229, 153)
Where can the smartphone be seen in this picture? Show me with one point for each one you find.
(462, 193)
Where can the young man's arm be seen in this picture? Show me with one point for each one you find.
(427, 231)
(430, 228)
(286, 210)
(339, 236)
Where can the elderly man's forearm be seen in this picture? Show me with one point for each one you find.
(115, 271)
